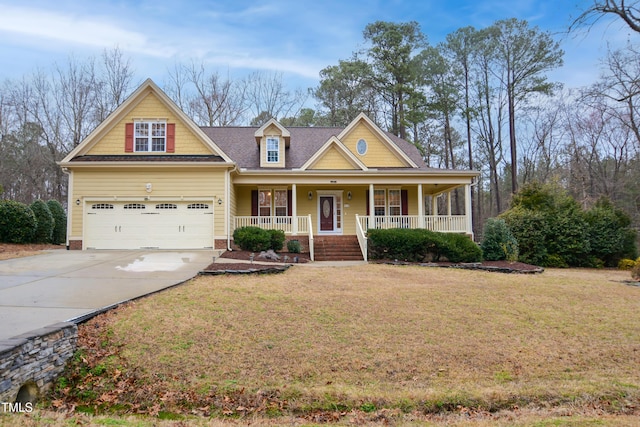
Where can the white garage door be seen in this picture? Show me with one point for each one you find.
(146, 225)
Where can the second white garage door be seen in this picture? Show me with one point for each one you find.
(145, 225)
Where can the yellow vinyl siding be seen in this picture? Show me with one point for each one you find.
(272, 131)
(174, 184)
(333, 159)
(149, 108)
(378, 153)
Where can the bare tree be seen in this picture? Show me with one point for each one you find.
(268, 97)
(628, 11)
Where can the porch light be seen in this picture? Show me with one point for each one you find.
(349, 195)
(310, 195)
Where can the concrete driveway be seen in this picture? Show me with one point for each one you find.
(61, 285)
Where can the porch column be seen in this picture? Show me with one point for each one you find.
(467, 209)
(434, 205)
(420, 207)
(294, 210)
(372, 206)
(449, 203)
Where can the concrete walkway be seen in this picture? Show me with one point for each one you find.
(61, 285)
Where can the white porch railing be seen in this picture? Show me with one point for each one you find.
(362, 238)
(284, 223)
(441, 223)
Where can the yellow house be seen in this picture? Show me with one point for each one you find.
(149, 177)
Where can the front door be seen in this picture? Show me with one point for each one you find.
(327, 213)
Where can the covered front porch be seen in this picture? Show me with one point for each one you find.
(351, 209)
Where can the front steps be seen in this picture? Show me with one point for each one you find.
(337, 248)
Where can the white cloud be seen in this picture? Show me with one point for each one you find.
(37, 26)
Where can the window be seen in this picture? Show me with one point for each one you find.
(379, 202)
(280, 202)
(102, 206)
(135, 206)
(264, 200)
(198, 206)
(273, 150)
(166, 206)
(361, 146)
(395, 202)
(150, 136)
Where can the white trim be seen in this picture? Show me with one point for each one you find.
(276, 139)
(260, 132)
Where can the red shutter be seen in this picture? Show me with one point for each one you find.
(368, 203)
(128, 138)
(254, 202)
(171, 138)
(404, 200)
(289, 203)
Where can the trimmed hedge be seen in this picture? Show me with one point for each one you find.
(17, 222)
(256, 239)
(277, 239)
(59, 235)
(418, 245)
(44, 220)
(253, 239)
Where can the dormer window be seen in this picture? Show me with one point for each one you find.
(273, 149)
(150, 136)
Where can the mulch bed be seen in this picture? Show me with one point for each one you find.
(253, 268)
(242, 268)
(244, 256)
(246, 268)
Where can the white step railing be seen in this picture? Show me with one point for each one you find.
(362, 237)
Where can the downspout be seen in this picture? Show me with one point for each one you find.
(69, 202)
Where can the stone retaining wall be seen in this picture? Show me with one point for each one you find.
(30, 363)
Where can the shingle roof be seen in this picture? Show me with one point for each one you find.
(240, 144)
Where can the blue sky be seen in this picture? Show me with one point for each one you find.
(297, 37)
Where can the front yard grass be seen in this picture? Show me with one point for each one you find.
(370, 344)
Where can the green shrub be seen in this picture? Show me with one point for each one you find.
(17, 222)
(276, 238)
(44, 220)
(460, 248)
(59, 235)
(417, 245)
(530, 230)
(498, 242)
(555, 261)
(546, 220)
(626, 264)
(294, 247)
(252, 239)
(611, 237)
(402, 244)
(568, 235)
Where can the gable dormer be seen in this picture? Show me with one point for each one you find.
(272, 138)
